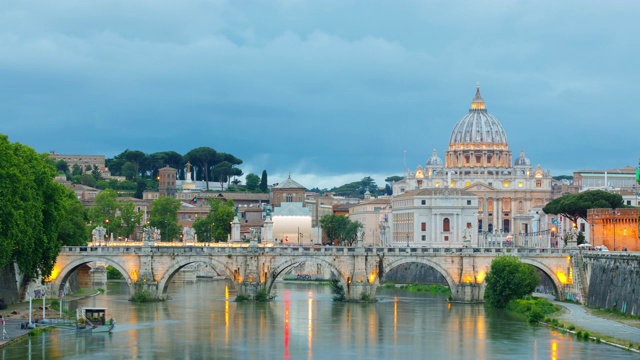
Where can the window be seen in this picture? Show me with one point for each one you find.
(423, 226)
(423, 202)
(437, 183)
(445, 225)
(424, 238)
(538, 183)
(520, 184)
(468, 202)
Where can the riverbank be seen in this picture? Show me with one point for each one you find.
(609, 328)
(16, 315)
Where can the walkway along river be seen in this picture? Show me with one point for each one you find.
(201, 321)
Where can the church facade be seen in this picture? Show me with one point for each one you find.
(511, 193)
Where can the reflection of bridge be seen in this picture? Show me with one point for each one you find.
(357, 268)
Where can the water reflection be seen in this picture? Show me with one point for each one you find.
(202, 321)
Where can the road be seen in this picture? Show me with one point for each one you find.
(578, 316)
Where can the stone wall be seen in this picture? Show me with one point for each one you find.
(614, 283)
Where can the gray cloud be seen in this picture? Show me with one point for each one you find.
(325, 88)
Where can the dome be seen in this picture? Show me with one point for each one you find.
(522, 160)
(478, 127)
(434, 160)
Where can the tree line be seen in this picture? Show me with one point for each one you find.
(140, 170)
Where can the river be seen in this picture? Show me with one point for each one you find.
(201, 321)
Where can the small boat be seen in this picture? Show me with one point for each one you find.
(93, 319)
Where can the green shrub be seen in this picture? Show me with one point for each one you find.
(337, 290)
(113, 273)
(242, 298)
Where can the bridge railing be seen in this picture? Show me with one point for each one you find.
(306, 250)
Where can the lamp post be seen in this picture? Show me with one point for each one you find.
(407, 239)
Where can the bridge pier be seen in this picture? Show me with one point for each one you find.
(98, 276)
(467, 293)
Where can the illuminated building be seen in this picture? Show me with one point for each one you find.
(511, 193)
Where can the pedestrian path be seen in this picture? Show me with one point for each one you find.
(578, 316)
(14, 330)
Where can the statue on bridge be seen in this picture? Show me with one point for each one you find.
(467, 235)
(97, 235)
(188, 234)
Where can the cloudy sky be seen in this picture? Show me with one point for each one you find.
(329, 91)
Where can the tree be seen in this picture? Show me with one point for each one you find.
(264, 187)
(393, 179)
(575, 206)
(135, 157)
(62, 166)
(103, 213)
(221, 172)
(73, 230)
(164, 216)
(88, 180)
(128, 219)
(253, 181)
(339, 228)
(205, 158)
(221, 215)
(203, 227)
(32, 208)
(128, 170)
(141, 186)
(507, 280)
(76, 170)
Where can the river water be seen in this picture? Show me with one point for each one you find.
(201, 321)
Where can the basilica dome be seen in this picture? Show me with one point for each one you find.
(478, 129)
(434, 160)
(522, 160)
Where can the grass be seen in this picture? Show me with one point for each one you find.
(534, 308)
(419, 288)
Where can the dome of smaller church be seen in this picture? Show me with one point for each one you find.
(522, 160)
(434, 160)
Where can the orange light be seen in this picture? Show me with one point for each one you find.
(372, 278)
(480, 277)
(562, 277)
(54, 274)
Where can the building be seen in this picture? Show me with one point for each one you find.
(81, 160)
(620, 181)
(617, 229)
(167, 181)
(511, 193)
(372, 214)
(287, 191)
(434, 217)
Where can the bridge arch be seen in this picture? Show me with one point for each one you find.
(547, 270)
(390, 264)
(282, 266)
(73, 265)
(163, 284)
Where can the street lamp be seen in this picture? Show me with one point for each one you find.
(407, 239)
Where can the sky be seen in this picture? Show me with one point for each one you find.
(325, 91)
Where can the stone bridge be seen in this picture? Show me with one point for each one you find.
(253, 268)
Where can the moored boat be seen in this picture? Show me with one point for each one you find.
(93, 319)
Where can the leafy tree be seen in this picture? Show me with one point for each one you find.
(507, 280)
(205, 158)
(203, 227)
(388, 190)
(97, 175)
(164, 216)
(575, 206)
(221, 215)
(221, 172)
(252, 181)
(87, 168)
(88, 180)
(135, 157)
(103, 213)
(73, 230)
(393, 179)
(339, 228)
(31, 210)
(76, 170)
(128, 219)
(141, 186)
(264, 187)
(62, 166)
(128, 170)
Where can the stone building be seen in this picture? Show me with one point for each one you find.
(511, 194)
(372, 214)
(287, 191)
(434, 217)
